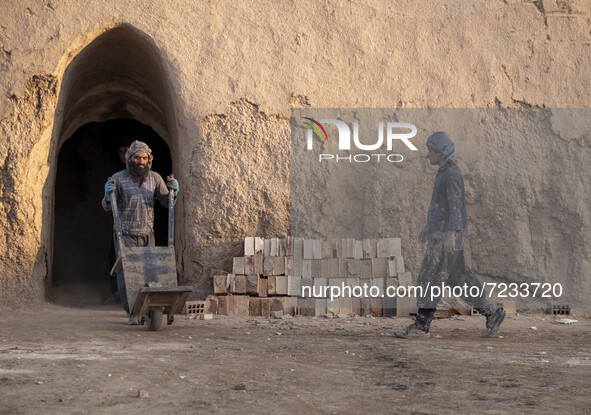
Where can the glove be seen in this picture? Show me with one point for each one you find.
(173, 184)
(109, 187)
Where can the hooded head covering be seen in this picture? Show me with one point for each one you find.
(139, 147)
(441, 143)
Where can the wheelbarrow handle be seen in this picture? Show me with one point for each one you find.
(170, 213)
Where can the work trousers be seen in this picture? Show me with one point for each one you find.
(129, 241)
(439, 267)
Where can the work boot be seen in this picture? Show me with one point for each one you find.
(412, 332)
(493, 322)
(133, 320)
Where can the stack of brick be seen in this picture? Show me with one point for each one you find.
(272, 275)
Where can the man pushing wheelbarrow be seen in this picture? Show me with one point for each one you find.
(146, 274)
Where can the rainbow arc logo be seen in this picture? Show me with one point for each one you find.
(315, 125)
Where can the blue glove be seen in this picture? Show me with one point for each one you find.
(173, 184)
(109, 187)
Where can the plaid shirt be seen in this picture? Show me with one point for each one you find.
(136, 201)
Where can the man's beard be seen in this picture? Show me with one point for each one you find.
(137, 171)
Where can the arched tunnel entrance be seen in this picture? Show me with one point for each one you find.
(114, 90)
(84, 251)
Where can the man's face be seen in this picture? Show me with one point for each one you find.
(139, 164)
(435, 157)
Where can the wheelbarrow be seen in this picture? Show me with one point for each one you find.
(150, 275)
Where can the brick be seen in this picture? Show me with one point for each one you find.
(325, 268)
(375, 306)
(279, 266)
(267, 248)
(238, 265)
(352, 282)
(306, 307)
(289, 305)
(383, 248)
(281, 247)
(308, 249)
(343, 263)
(392, 268)
(319, 284)
(320, 307)
(293, 285)
(391, 282)
(298, 248)
(327, 250)
(397, 262)
(211, 305)
(194, 307)
(263, 287)
(289, 265)
(249, 265)
(316, 249)
(358, 249)
(369, 248)
(405, 279)
(281, 285)
(336, 248)
(241, 305)
(344, 244)
(405, 306)
(259, 246)
(289, 246)
(379, 267)
(223, 305)
(352, 267)
(395, 247)
(380, 283)
(254, 306)
(252, 284)
(268, 265)
(509, 307)
(271, 279)
(333, 268)
(274, 247)
(389, 307)
(298, 266)
(356, 305)
(239, 284)
(346, 305)
(365, 307)
(316, 271)
(307, 268)
(266, 304)
(248, 246)
(304, 284)
(220, 285)
(365, 270)
(258, 264)
(333, 306)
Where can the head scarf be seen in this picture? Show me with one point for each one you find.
(139, 147)
(441, 143)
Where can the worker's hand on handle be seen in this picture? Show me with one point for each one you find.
(449, 243)
(423, 235)
(172, 184)
(109, 187)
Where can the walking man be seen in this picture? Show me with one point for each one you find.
(445, 231)
(137, 188)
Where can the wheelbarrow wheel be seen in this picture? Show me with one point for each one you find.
(154, 318)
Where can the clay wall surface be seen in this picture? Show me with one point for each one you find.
(218, 80)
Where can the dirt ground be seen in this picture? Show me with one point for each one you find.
(57, 359)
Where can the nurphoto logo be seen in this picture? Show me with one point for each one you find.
(394, 132)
